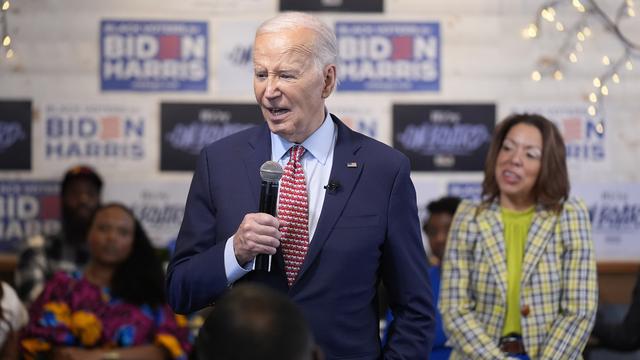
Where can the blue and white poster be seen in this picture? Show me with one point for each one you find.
(112, 137)
(27, 208)
(389, 56)
(614, 209)
(153, 55)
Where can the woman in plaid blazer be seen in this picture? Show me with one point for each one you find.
(553, 273)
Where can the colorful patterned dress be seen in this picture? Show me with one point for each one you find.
(71, 311)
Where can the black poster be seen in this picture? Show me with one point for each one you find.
(15, 135)
(187, 128)
(444, 137)
(332, 5)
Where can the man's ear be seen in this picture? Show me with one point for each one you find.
(329, 79)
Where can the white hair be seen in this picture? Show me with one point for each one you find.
(325, 44)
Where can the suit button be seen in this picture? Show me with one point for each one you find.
(525, 310)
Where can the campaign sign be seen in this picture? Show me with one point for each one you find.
(614, 209)
(27, 208)
(465, 190)
(159, 205)
(153, 55)
(187, 128)
(101, 134)
(444, 137)
(15, 135)
(389, 56)
(332, 5)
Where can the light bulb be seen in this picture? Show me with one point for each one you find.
(9, 54)
(6, 41)
(580, 36)
(616, 78)
(604, 90)
(559, 26)
(5, 5)
(573, 58)
(536, 76)
(600, 128)
(606, 60)
(557, 75)
(628, 65)
(596, 82)
(593, 97)
(592, 110)
(586, 31)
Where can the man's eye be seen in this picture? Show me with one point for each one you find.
(261, 75)
(287, 76)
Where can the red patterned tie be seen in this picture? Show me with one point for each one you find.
(293, 208)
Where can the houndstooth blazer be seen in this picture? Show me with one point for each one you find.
(559, 292)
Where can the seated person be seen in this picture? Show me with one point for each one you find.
(115, 308)
(66, 250)
(624, 336)
(253, 321)
(13, 316)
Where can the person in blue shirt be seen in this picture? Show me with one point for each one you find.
(436, 226)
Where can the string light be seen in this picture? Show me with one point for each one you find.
(536, 76)
(6, 39)
(557, 75)
(577, 32)
(597, 82)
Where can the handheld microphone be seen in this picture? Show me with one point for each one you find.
(332, 186)
(270, 172)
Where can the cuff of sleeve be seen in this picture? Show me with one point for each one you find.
(233, 270)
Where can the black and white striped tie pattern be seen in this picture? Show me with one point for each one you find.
(293, 211)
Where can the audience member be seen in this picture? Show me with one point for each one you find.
(253, 321)
(66, 250)
(13, 316)
(624, 336)
(115, 308)
(519, 274)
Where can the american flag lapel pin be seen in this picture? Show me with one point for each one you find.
(352, 164)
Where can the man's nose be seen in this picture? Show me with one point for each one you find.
(273, 89)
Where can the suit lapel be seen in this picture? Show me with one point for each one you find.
(344, 153)
(493, 243)
(539, 234)
(259, 151)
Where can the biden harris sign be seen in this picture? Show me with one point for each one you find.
(153, 55)
(389, 56)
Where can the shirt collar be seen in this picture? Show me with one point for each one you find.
(318, 144)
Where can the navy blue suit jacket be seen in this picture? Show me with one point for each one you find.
(368, 230)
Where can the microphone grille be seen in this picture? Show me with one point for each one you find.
(271, 171)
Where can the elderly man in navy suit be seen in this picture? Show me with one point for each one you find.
(330, 245)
